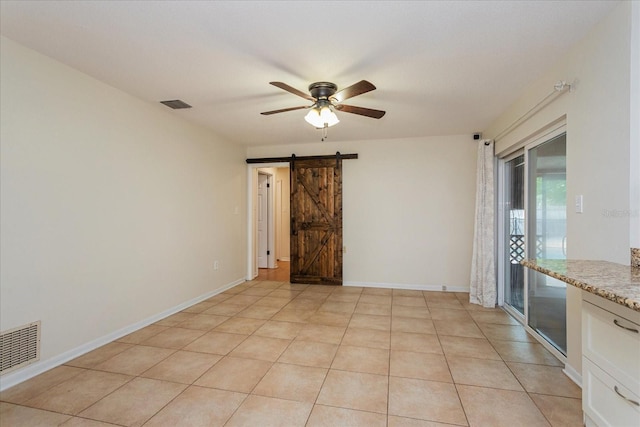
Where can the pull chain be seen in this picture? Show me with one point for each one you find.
(325, 132)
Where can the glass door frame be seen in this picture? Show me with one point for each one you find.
(525, 146)
(503, 251)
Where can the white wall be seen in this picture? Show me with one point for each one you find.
(598, 147)
(598, 128)
(113, 209)
(634, 157)
(408, 207)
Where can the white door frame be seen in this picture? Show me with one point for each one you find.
(252, 188)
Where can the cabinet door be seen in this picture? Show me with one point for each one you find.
(610, 342)
(606, 401)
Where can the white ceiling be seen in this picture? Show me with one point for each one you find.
(440, 67)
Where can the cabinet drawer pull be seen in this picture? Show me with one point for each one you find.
(615, 388)
(615, 322)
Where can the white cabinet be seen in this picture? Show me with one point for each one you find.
(610, 363)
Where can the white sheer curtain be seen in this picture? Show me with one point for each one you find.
(483, 275)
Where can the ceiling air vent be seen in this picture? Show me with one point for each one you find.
(176, 104)
(19, 347)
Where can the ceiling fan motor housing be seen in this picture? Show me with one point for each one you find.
(322, 90)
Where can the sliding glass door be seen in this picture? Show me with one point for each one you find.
(532, 224)
(547, 231)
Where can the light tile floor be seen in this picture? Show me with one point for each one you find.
(271, 353)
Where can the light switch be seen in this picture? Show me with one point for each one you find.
(579, 204)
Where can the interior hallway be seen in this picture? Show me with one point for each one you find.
(267, 352)
(280, 274)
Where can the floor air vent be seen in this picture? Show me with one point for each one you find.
(19, 347)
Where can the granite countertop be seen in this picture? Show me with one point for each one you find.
(615, 282)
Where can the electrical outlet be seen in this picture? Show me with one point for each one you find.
(444, 288)
(216, 264)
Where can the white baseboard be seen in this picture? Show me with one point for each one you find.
(284, 258)
(573, 375)
(410, 287)
(13, 378)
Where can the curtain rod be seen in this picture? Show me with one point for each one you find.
(558, 88)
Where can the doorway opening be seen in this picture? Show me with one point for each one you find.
(268, 220)
(309, 226)
(532, 224)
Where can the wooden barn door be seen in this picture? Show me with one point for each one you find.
(316, 221)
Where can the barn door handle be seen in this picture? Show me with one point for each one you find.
(294, 230)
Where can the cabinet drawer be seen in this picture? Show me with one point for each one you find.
(602, 403)
(607, 343)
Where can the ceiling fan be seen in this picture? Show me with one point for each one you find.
(326, 100)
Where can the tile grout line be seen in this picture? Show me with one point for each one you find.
(330, 364)
(511, 371)
(446, 360)
(339, 345)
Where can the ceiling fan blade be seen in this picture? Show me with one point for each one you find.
(359, 88)
(375, 114)
(293, 90)
(266, 113)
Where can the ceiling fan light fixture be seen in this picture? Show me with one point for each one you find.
(322, 114)
(321, 117)
(328, 116)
